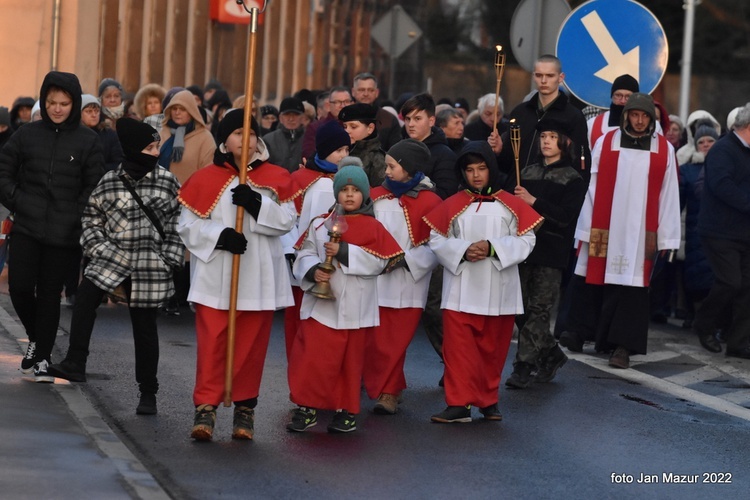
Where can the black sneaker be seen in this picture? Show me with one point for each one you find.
(40, 372)
(302, 419)
(572, 341)
(521, 376)
(491, 412)
(242, 426)
(147, 404)
(203, 423)
(29, 359)
(343, 421)
(453, 414)
(68, 370)
(549, 364)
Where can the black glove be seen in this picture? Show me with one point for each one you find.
(232, 241)
(244, 196)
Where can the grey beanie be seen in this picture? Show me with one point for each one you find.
(703, 131)
(108, 82)
(412, 155)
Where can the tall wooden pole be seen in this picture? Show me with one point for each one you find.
(239, 221)
(499, 70)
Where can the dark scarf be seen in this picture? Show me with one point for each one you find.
(169, 150)
(615, 114)
(401, 188)
(367, 208)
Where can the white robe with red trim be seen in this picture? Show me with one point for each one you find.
(404, 288)
(264, 278)
(490, 287)
(354, 286)
(627, 231)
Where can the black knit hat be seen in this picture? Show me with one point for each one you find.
(330, 137)
(624, 82)
(413, 156)
(232, 120)
(134, 136)
(360, 112)
(554, 125)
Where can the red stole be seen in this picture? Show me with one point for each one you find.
(602, 216)
(304, 178)
(202, 191)
(414, 211)
(440, 218)
(596, 128)
(367, 233)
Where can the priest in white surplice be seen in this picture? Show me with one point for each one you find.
(631, 213)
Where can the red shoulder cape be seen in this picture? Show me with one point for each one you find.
(414, 211)
(202, 190)
(440, 218)
(367, 233)
(303, 179)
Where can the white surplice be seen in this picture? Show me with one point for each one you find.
(263, 278)
(404, 288)
(627, 231)
(489, 287)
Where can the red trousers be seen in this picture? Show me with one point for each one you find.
(386, 350)
(474, 350)
(325, 366)
(253, 330)
(291, 320)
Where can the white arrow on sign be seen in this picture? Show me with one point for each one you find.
(617, 62)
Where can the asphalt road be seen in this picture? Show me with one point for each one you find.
(678, 414)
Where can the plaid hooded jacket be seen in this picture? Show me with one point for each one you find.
(122, 242)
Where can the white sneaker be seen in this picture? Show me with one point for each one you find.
(40, 373)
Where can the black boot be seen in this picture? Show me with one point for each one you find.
(68, 370)
(147, 404)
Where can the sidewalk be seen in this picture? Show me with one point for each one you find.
(54, 443)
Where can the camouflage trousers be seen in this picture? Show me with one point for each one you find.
(540, 287)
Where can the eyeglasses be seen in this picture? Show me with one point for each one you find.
(342, 103)
(620, 96)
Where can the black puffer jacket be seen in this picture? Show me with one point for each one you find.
(48, 170)
(443, 161)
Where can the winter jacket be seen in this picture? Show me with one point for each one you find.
(285, 147)
(697, 270)
(373, 158)
(527, 115)
(113, 154)
(559, 191)
(48, 170)
(122, 242)
(480, 131)
(725, 206)
(442, 163)
(199, 144)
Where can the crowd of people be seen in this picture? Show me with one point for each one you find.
(362, 219)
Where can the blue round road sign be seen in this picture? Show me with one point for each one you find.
(603, 39)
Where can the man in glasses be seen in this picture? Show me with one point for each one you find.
(622, 88)
(339, 98)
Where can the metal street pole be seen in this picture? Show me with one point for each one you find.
(687, 58)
